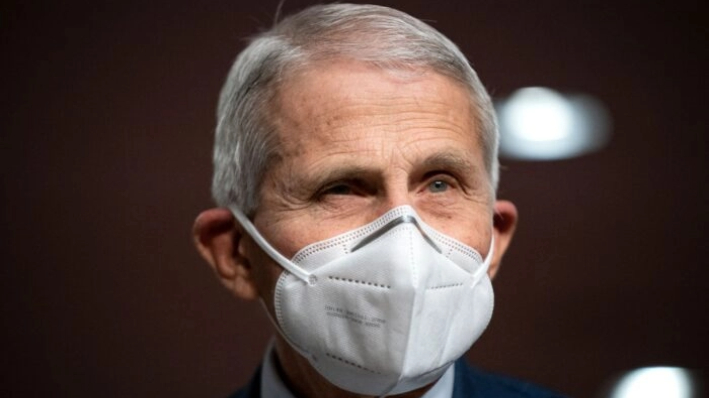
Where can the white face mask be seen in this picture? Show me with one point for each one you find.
(385, 308)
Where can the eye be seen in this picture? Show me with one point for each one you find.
(438, 186)
(338, 189)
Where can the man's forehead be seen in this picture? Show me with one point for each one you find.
(319, 69)
(326, 94)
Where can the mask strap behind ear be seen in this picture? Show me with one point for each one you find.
(486, 264)
(299, 273)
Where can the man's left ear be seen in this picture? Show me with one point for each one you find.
(504, 222)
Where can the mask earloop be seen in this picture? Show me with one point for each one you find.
(299, 273)
(486, 264)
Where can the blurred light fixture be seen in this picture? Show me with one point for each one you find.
(665, 382)
(539, 123)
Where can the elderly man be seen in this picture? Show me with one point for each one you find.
(355, 170)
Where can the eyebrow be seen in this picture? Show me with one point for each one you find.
(347, 173)
(307, 185)
(448, 160)
(445, 161)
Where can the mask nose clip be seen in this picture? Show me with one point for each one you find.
(402, 219)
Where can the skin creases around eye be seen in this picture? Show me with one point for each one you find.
(336, 194)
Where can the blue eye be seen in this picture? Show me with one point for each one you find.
(438, 186)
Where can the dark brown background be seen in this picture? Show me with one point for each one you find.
(107, 116)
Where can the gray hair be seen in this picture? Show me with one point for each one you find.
(246, 140)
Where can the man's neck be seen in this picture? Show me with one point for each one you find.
(305, 382)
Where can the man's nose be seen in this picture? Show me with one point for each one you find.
(394, 195)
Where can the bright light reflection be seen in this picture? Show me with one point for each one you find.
(539, 123)
(539, 114)
(663, 382)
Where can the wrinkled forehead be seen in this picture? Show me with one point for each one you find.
(320, 86)
(410, 70)
(372, 118)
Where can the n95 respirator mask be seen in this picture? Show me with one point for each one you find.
(385, 308)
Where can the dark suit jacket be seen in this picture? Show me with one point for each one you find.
(469, 383)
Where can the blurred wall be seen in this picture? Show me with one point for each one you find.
(107, 118)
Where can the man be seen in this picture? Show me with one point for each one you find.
(355, 170)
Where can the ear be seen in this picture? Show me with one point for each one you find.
(220, 241)
(504, 222)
